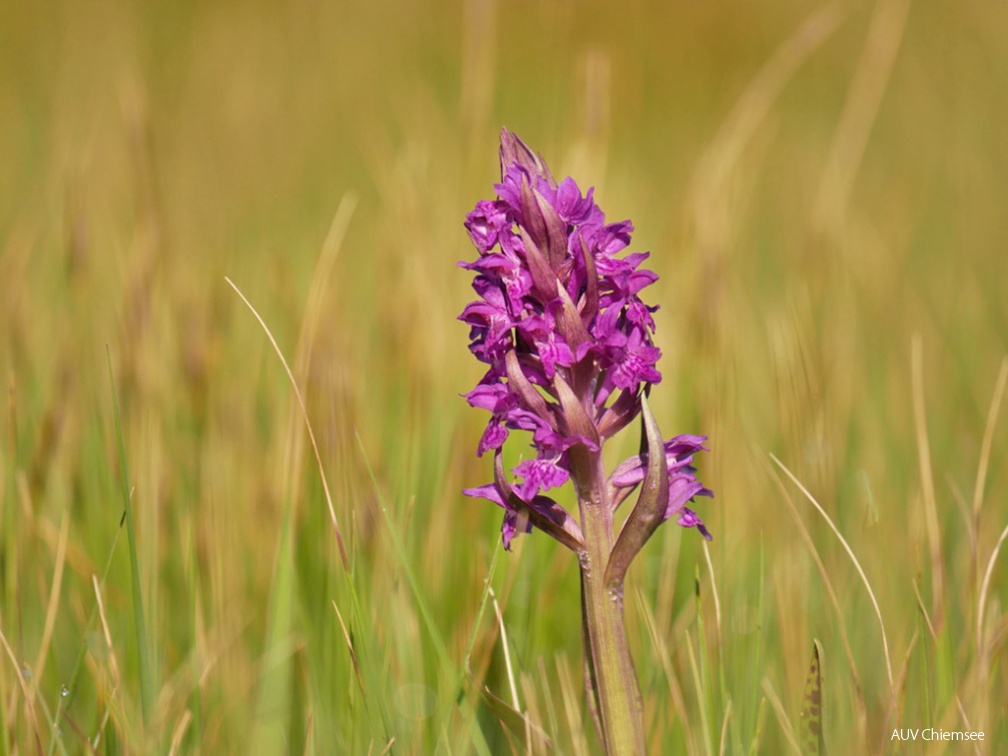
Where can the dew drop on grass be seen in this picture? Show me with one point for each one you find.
(64, 691)
(26, 672)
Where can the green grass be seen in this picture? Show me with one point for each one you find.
(831, 252)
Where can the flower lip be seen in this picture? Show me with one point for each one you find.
(679, 450)
(524, 513)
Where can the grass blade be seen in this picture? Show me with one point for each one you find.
(699, 670)
(359, 617)
(782, 718)
(754, 715)
(433, 632)
(29, 705)
(516, 723)
(71, 687)
(854, 559)
(139, 624)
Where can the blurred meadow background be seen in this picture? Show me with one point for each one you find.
(823, 189)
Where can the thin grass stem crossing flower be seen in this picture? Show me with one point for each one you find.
(570, 355)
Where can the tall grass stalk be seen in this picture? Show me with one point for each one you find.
(854, 559)
(139, 623)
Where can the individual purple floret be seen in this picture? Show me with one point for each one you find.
(568, 346)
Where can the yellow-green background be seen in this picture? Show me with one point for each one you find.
(823, 188)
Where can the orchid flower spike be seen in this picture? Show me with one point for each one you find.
(568, 344)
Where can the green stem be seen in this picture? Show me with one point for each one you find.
(614, 681)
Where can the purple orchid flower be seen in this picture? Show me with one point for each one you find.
(570, 356)
(568, 341)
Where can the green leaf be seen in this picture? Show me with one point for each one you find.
(647, 513)
(811, 730)
(524, 729)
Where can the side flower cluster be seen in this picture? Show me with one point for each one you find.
(568, 343)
